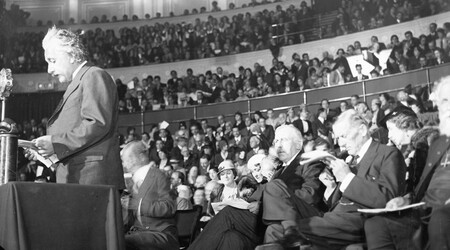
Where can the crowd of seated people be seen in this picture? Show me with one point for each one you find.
(14, 15)
(164, 42)
(212, 164)
(410, 53)
(230, 159)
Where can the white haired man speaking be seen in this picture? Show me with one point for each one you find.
(82, 138)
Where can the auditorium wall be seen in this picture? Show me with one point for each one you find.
(25, 83)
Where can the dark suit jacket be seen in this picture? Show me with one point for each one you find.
(303, 180)
(242, 144)
(433, 197)
(364, 77)
(380, 177)
(157, 206)
(318, 125)
(175, 153)
(269, 134)
(84, 131)
(299, 125)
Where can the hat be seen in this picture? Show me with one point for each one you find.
(395, 112)
(225, 165)
(254, 161)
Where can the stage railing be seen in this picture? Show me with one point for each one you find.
(368, 90)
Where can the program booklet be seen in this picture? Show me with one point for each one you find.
(387, 210)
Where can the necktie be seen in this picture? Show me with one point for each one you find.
(354, 164)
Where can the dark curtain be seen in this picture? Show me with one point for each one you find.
(25, 106)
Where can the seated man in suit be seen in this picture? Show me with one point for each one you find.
(255, 146)
(359, 76)
(396, 230)
(238, 140)
(337, 76)
(303, 124)
(377, 177)
(266, 130)
(320, 125)
(151, 205)
(294, 191)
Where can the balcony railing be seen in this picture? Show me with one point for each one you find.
(368, 90)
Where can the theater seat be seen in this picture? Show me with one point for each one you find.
(187, 222)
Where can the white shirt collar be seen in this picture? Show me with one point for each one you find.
(291, 160)
(364, 149)
(78, 69)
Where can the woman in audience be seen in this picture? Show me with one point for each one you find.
(313, 79)
(317, 66)
(223, 154)
(385, 105)
(406, 134)
(213, 174)
(192, 175)
(164, 159)
(278, 83)
(291, 117)
(227, 174)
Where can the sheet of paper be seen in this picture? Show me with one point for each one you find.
(385, 210)
(47, 162)
(26, 144)
(237, 203)
(316, 155)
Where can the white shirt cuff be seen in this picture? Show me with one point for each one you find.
(53, 158)
(328, 192)
(348, 178)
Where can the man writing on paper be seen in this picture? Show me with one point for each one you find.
(82, 139)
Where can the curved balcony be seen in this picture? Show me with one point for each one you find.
(28, 83)
(366, 89)
(116, 26)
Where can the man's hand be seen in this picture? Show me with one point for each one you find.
(254, 207)
(45, 145)
(29, 154)
(397, 202)
(205, 218)
(340, 169)
(327, 179)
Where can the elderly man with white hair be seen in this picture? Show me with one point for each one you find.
(82, 140)
(376, 175)
(294, 191)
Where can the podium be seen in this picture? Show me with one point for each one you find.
(35, 216)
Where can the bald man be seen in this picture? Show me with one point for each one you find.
(152, 205)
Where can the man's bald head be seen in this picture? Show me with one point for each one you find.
(134, 155)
